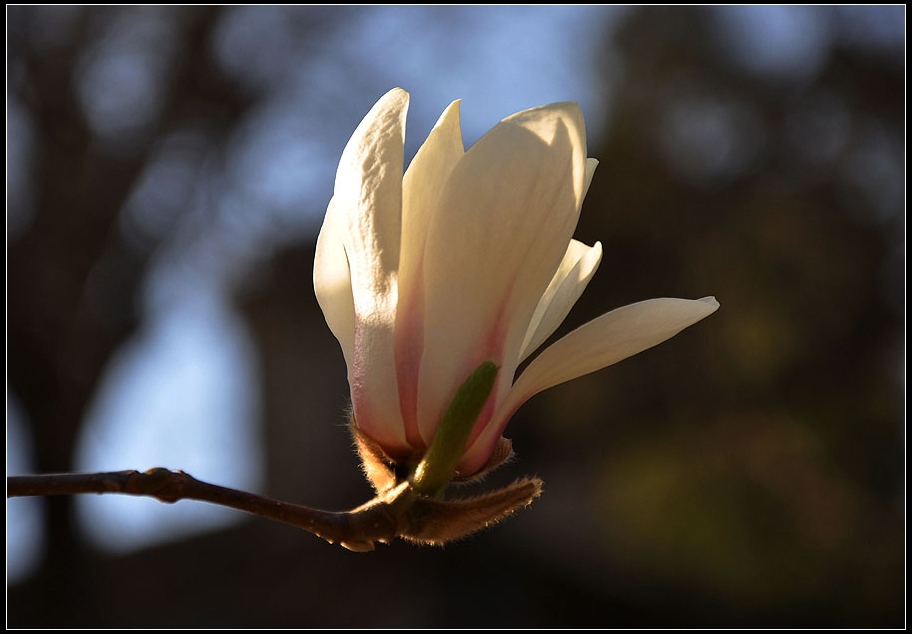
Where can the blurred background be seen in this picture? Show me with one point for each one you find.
(168, 169)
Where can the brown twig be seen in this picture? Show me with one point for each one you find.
(358, 529)
(397, 511)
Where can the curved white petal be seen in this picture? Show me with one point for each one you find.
(332, 283)
(603, 341)
(572, 276)
(536, 333)
(368, 198)
(502, 225)
(421, 189)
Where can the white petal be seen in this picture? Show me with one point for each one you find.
(601, 342)
(421, 189)
(368, 198)
(610, 338)
(332, 283)
(430, 169)
(499, 232)
(368, 192)
(536, 333)
(577, 268)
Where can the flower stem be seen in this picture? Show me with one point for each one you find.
(357, 529)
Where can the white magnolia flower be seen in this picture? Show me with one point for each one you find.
(468, 258)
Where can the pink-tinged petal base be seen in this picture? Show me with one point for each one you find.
(409, 346)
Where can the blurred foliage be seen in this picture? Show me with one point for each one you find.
(766, 466)
(748, 473)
